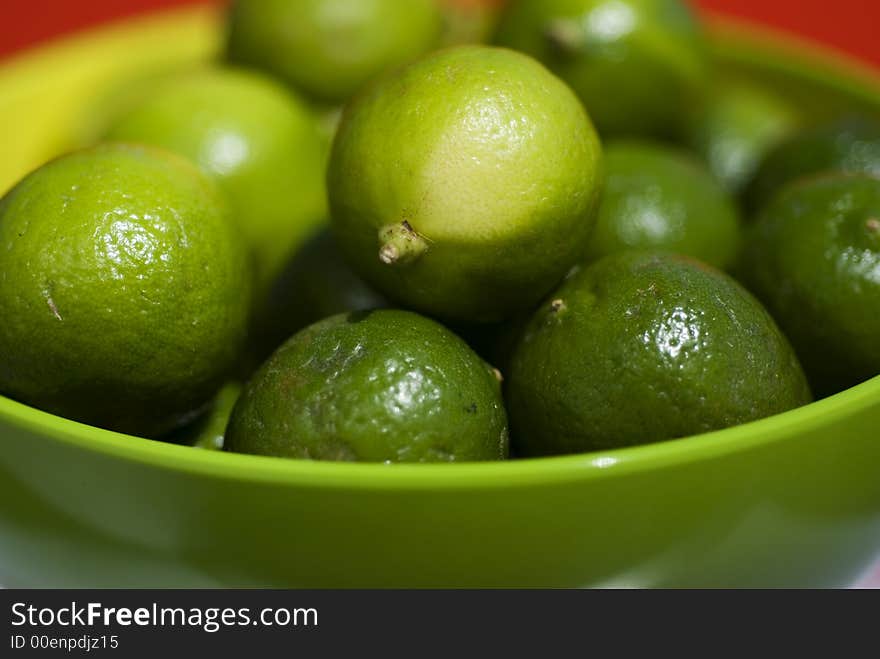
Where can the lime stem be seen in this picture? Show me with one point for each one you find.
(400, 244)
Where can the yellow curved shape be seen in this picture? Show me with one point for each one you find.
(58, 97)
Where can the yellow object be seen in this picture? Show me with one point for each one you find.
(54, 98)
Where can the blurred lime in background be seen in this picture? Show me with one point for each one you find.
(256, 138)
(638, 65)
(328, 49)
(662, 198)
(734, 129)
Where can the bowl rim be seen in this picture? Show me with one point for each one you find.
(461, 476)
(733, 39)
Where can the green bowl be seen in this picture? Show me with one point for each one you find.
(792, 500)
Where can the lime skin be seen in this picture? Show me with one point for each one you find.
(379, 386)
(638, 65)
(258, 140)
(813, 257)
(849, 144)
(328, 49)
(660, 198)
(465, 185)
(315, 284)
(735, 128)
(124, 289)
(639, 348)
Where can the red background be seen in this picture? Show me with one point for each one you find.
(849, 25)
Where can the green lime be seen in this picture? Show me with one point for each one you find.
(637, 65)
(124, 289)
(379, 386)
(259, 141)
(465, 185)
(641, 348)
(813, 257)
(657, 197)
(735, 128)
(329, 49)
(315, 284)
(850, 145)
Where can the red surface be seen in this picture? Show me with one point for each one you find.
(26, 22)
(849, 25)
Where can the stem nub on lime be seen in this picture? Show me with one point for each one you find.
(125, 289)
(465, 185)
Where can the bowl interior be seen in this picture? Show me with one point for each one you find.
(56, 99)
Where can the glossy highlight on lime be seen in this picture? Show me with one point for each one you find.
(374, 386)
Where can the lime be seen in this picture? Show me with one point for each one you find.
(657, 197)
(735, 128)
(637, 65)
(124, 289)
(465, 185)
(316, 283)
(813, 257)
(380, 386)
(258, 140)
(643, 347)
(848, 144)
(328, 49)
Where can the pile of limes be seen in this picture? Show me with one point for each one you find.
(364, 236)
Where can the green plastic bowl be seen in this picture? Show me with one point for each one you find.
(792, 500)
